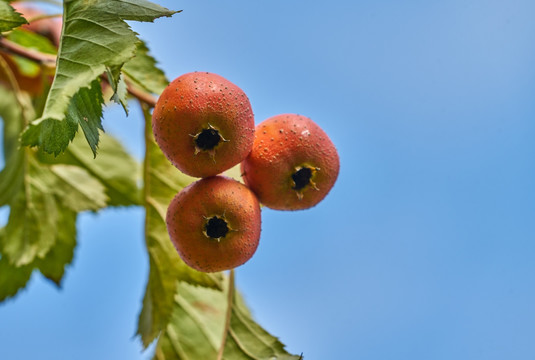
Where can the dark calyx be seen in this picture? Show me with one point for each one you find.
(208, 139)
(302, 178)
(216, 227)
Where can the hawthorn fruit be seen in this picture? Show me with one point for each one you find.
(214, 224)
(203, 123)
(293, 164)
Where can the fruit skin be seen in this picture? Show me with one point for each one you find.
(283, 144)
(218, 196)
(201, 100)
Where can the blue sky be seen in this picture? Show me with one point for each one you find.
(424, 248)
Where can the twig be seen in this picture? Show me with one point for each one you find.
(141, 95)
(43, 17)
(53, 2)
(50, 60)
(31, 54)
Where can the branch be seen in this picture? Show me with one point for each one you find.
(37, 56)
(50, 60)
(140, 94)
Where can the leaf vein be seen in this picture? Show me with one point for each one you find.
(191, 313)
(96, 24)
(74, 62)
(90, 41)
(240, 345)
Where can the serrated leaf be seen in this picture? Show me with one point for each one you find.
(196, 327)
(11, 177)
(45, 195)
(12, 279)
(120, 92)
(77, 188)
(41, 228)
(32, 224)
(14, 110)
(95, 37)
(142, 70)
(9, 18)
(162, 182)
(59, 256)
(204, 323)
(117, 170)
(114, 168)
(32, 40)
(247, 340)
(12, 174)
(86, 109)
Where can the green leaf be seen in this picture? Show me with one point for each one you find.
(114, 168)
(206, 322)
(31, 228)
(53, 135)
(59, 256)
(196, 327)
(32, 40)
(162, 182)
(12, 174)
(15, 109)
(12, 279)
(95, 37)
(117, 170)
(247, 340)
(77, 188)
(142, 70)
(11, 177)
(120, 92)
(9, 18)
(86, 109)
(45, 195)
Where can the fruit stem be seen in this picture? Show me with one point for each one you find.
(30, 54)
(146, 162)
(230, 304)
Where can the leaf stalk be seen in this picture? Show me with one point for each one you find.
(230, 305)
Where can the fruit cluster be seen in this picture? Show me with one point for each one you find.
(204, 124)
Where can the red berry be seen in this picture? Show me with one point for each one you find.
(214, 224)
(293, 164)
(203, 123)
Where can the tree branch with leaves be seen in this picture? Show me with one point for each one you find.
(51, 174)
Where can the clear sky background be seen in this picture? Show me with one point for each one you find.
(424, 248)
